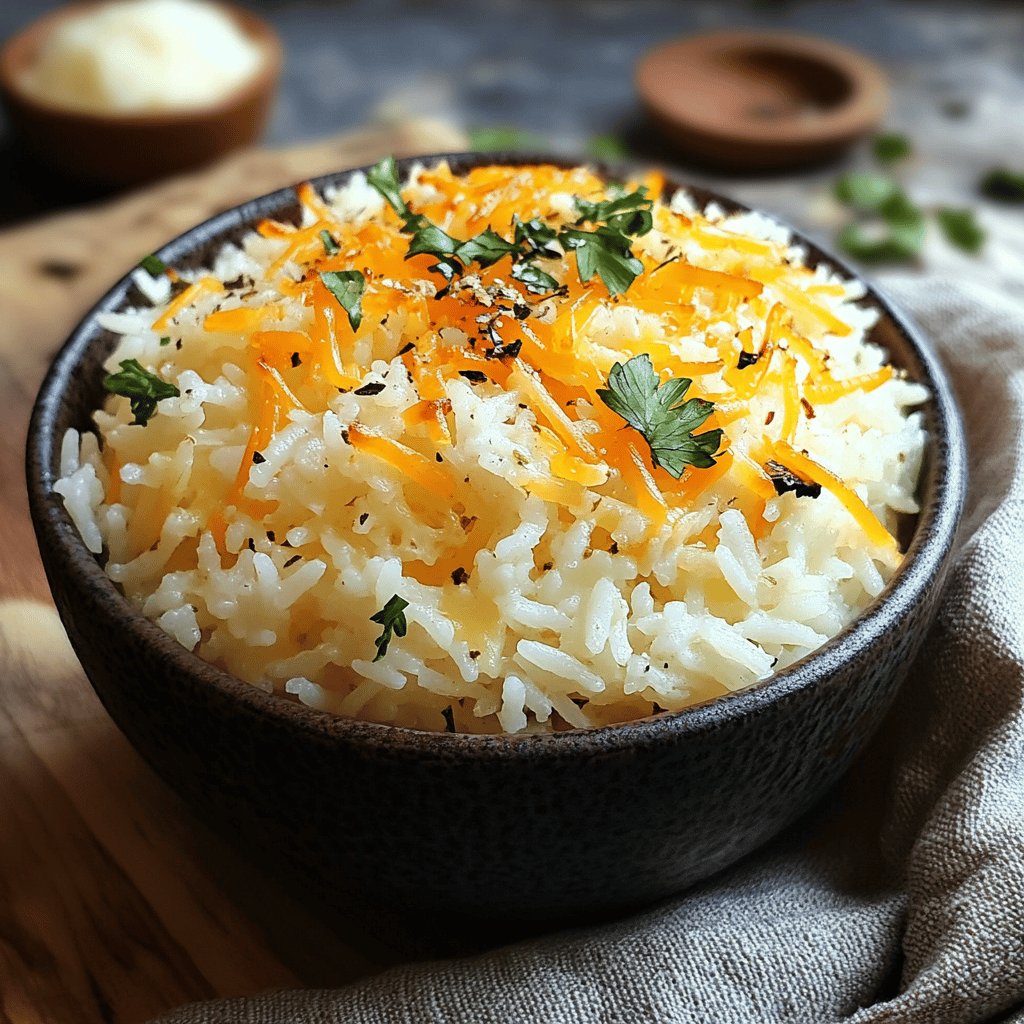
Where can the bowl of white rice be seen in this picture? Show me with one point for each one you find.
(492, 535)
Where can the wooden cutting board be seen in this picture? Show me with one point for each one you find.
(115, 904)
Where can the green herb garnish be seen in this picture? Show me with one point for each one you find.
(433, 241)
(535, 238)
(898, 242)
(144, 389)
(1004, 186)
(629, 213)
(504, 137)
(635, 393)
(536, 280)
(604, 251)
(330, 245)
(900, 224)
(165, 340)
(961, 228)
(486, 249)
(153, 265)
(453, 254)
(890, 147)
(866, 191)
(392, 618)
(383, 176)
(347, 286)
(607, 147)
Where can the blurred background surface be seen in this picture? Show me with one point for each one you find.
(560, 73)
(563, 68)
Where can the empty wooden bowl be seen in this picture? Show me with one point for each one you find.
(122, 149)
(761, 100)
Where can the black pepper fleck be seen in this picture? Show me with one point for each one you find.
(784, 479)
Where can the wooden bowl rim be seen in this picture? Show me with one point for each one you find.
(942, 488)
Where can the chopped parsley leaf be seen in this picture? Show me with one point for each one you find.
(143, 389)
(536, 280)
(347, 286)
(486, 249)
(430, 239)
(635, 393)
(383, 176)
(629, 213)
(392, 618)
(330, 245)
(535, 238)
(153, 265)
(900, 232)
(604, 252)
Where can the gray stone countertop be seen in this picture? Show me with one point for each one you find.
(563, 71)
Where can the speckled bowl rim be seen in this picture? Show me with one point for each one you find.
(942, 488)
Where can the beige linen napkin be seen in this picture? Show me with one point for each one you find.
(900, 900)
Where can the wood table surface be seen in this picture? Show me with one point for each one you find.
(115, 902)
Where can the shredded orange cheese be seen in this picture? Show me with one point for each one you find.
(804, 466)
(188, 297)
(562, 357)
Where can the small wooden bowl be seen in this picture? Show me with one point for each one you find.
(761, 100)
(117, 150)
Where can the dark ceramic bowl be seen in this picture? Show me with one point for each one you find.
(534, 827)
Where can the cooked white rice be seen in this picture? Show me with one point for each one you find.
(544, 590)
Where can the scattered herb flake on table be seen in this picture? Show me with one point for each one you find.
(1003, 185)
(961, 228)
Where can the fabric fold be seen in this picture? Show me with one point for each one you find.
(901, 899)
